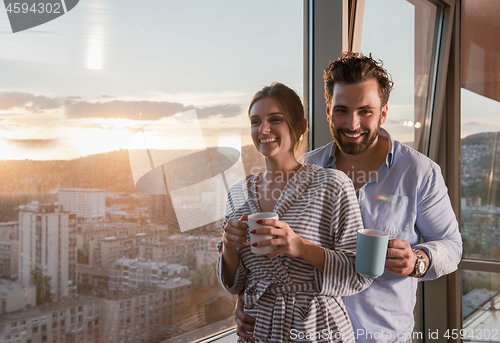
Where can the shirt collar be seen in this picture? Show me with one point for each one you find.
(388, 161)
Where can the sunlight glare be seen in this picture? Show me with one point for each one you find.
(97, 141)
(94, 57)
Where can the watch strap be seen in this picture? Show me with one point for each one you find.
(420, 260)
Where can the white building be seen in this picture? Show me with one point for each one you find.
(86, 203)
(47, 240)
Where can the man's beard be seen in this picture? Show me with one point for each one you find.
(353, 148)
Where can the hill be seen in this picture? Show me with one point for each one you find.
(110, 171)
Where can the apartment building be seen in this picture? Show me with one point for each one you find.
(16, 296)
(126, 274)
(69, 321)
(96, 230)
(9, 259)
(47, 240)
(86, 203)
(145, 316)
(104, 252)
(179, 249)
(9, 231)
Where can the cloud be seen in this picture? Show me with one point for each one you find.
(137, 110)
(107, 107)
(225, 110)
(33, 120)
(472, 123)
(33, 143)
(28, 101)
(142, 110)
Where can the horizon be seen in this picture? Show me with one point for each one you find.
(117, 150)
(172, 149)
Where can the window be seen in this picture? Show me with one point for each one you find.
(480, 172)
(410, 62)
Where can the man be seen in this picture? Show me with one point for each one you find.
(400, 191)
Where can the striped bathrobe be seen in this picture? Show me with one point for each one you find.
(293, 301)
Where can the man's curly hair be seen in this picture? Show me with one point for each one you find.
(353, 67)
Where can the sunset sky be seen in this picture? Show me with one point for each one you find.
(86, 82)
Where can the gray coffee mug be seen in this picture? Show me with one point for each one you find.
(371, 252)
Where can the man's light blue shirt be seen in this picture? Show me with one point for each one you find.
(407, 198)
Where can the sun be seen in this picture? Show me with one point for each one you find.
(99, 140)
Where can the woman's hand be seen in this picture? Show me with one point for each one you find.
(234, 236)
(289, 242)
(235, 232)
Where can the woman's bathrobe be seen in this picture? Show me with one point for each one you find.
(293, 301)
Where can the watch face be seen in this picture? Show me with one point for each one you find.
(421, 268)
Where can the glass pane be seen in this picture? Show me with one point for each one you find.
(412, 24)
(480, 106)
(480, 305)
(121, 126)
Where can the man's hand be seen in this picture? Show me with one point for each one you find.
(244, 321)
(400, 258)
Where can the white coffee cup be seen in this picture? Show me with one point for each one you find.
(252, 225)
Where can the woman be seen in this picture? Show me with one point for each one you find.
(296, 290)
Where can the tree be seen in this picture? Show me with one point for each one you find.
(205, 277)
(42, 283)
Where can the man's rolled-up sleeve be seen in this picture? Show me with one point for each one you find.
(438, 226)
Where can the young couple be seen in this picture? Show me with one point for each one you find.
(308, 289)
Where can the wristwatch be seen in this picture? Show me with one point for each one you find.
(420, 265)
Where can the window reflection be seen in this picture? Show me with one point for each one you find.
(481, 305)
(480, 105)
(404, 42)
(480, 172)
